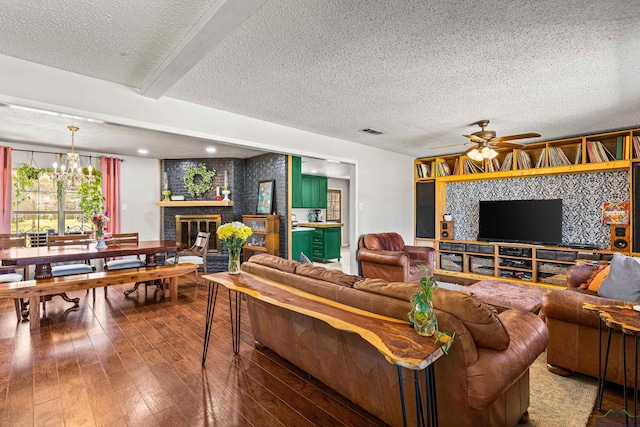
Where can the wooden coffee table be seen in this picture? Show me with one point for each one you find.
(627, 321)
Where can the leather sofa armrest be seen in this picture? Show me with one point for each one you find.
(578, 274)
(495, 371)
(419, 252)
(566, 305)
(384, 257)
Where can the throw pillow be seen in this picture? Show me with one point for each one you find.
(304, 259)
(598, 278)
(623, 281)
(593, 274)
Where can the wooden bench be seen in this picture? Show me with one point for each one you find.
(34, 289)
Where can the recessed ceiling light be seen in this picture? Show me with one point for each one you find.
(314, 171)
(33, 110)
(143, 151)
(211, 149)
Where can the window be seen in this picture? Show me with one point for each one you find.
(42, 207)
(334, 205)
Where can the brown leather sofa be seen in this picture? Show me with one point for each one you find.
(483, 381)
(573, 333)
(385, 256)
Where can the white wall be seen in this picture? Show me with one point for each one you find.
(383, 180)
(140, 188)
(343, 185)
(140, 191)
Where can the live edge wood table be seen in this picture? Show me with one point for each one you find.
(44, 256)
(627, 321)
(388, 335)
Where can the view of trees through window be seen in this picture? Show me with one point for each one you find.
(42, 207)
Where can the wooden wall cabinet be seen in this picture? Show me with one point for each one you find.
(611, 151)
(265, 237)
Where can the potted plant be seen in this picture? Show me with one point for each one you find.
(234, 234)
(422, 316)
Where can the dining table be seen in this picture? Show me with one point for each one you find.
(43, 256)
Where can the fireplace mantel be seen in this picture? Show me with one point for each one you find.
(186, 203)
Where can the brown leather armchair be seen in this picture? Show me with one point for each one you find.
(385, 256)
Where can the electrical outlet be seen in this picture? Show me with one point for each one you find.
(124, 206)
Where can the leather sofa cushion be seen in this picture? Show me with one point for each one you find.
(278, 263)
(399, 290)
(333, 276)
(480, 319)
(384, 242)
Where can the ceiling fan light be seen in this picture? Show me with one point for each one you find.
(475, 155)
(493, 154)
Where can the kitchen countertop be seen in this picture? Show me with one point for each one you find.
(298, 228)
(320, 224)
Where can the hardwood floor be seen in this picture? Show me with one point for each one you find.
(137, 361)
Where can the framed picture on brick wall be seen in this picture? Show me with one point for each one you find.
(265, 197)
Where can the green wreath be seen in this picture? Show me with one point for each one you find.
(196, 189)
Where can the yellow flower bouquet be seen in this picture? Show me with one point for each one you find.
(234, 234)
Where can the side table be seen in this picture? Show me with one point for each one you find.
(387, 335)
(627, 321)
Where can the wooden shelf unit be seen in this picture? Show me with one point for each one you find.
(545, 266)
(546, 159)
(265, 237)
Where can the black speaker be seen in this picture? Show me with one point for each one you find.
(426, 209)
(446, 230)
(620, 237)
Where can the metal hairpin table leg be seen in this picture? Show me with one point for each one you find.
(604, 371)
(430, 398)
(235, 327)
(623, 349)
(211, 307)
(404, 408)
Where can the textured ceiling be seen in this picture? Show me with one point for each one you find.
(122, 41)
(422, 71)
(27, 127)
(419, 71)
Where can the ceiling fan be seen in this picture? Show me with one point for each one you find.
(485, 140)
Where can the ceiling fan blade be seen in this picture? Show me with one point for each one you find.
(505, 144)
(518, 136)
(474, 138)
(450, 145)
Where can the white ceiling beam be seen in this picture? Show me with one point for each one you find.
(221, 19)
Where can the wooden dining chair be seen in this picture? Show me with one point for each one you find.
(9, 273)
(122, 263)
(196, 254)
(130, 262)
(67, 269)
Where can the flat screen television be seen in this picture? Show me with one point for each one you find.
(521, 221)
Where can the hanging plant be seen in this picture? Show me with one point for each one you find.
(198, 180)
(25, 178)
(90, 192)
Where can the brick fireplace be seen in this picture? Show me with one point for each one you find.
(188, 227)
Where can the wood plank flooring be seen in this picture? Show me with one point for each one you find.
(136, 362)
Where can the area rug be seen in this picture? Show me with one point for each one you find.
(557, 401)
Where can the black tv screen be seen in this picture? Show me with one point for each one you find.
(524, 221)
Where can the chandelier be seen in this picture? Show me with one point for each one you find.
(70, 172)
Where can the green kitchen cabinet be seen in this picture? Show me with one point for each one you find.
(326, 243)
(302, 242)
(296, 182)
(314, 192)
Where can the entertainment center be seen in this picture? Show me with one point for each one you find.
(508, 248)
